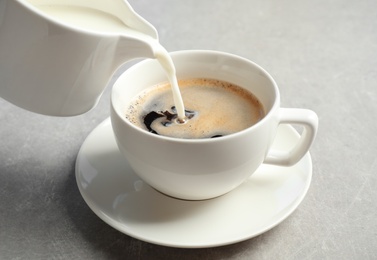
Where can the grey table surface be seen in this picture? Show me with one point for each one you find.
(323, 55)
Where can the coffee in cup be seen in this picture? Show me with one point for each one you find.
(214, 108)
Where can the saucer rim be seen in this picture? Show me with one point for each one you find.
(123, 229)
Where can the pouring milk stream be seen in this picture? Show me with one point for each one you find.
(56, 57)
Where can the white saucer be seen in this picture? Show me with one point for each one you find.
(122, 200)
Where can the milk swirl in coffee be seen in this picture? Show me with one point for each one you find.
(214, 108)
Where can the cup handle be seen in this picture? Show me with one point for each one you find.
(309, 120)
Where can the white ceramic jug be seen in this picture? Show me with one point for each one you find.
(57, 66)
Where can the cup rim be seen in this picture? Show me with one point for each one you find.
(276, 102)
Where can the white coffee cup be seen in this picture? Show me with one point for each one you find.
(197, 169)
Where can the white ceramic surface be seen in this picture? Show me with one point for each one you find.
(121, 199)
(50, 66)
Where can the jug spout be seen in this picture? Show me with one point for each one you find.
(52, 67)
(128, 48)
(136, 38)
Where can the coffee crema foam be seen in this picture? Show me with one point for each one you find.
(214, 108)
